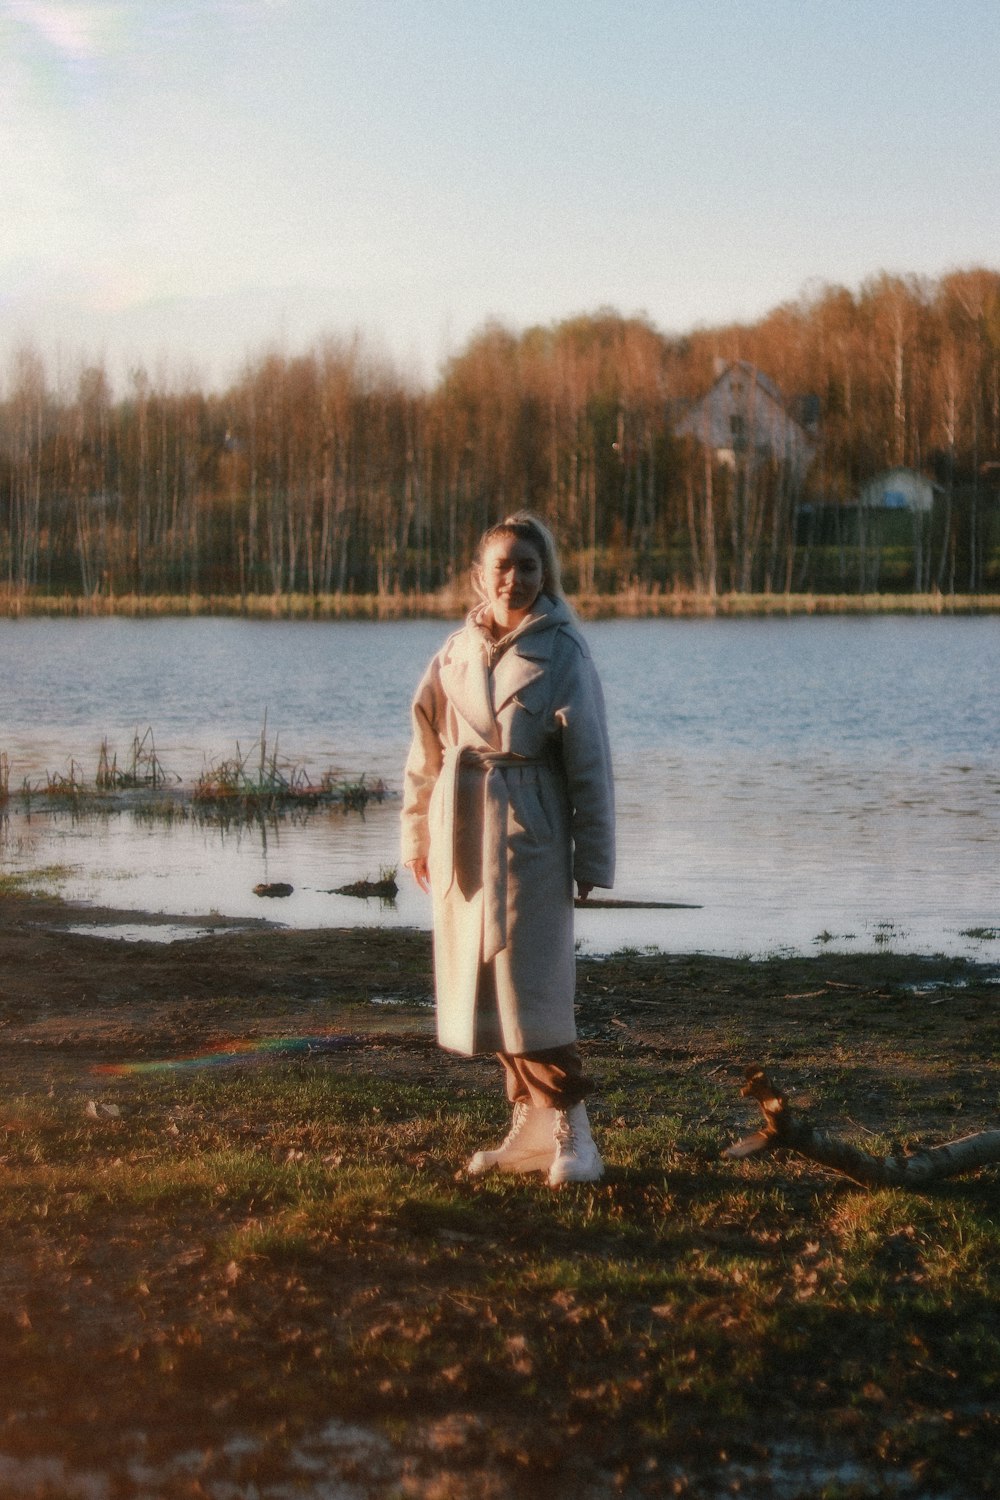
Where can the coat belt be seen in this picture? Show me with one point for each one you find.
(496, 803)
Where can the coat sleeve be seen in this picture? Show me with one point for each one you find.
(423, 765)
(586, 754)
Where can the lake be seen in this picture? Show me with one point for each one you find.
(803, 783)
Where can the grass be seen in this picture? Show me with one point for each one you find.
(243, 787)
(229, 1249)
(143, 768)
(28, 884)
(261, 1246)
(384, 886)
(272, 785)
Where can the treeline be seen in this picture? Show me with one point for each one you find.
(330, 473)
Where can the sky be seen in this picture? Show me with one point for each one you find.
(187, 184)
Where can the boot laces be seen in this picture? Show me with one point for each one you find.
(517, 1124)
(564, 1133)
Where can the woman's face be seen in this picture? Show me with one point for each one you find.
(511, 574)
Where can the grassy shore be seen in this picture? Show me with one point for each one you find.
(632, 603)
(241, 1256)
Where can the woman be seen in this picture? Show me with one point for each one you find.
(508, 798)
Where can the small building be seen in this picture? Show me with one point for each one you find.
(899, 489)
(744, 418)
(880, 538)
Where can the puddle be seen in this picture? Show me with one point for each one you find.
(929, 987)
(793, 1471)
(935, 986)
(369, 1466)
(144, 932)
(400, 1000)
(226, 1472)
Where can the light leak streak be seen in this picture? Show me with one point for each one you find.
(258, 1050)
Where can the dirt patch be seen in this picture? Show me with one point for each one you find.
(82, 992)
(70, 999)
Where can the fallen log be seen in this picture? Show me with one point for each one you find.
(610, 903)
(386, 888)
(901, 1169)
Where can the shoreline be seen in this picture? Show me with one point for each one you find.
(87, 986)
(233, 954)
(452, 604)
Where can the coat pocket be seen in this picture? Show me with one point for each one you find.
(527, 811)
(524, 723)
(531, 698)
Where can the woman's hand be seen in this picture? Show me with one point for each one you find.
(583, 890)
(418, 869)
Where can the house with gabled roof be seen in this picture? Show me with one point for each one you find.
(745, 417)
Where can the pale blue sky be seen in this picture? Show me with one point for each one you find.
(185, 182)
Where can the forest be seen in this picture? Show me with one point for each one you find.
(331, 473)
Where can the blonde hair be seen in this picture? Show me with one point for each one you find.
(526, 528)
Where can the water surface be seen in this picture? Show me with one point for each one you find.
(804, 782)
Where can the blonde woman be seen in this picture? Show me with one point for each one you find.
(508, 800)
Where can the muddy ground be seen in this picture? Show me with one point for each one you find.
(70, 999)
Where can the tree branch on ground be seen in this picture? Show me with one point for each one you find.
(917, 1169)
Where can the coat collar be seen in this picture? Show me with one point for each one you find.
(512, 674)
(535, 635)
(465, 673)
(465, 679)
(527, 655)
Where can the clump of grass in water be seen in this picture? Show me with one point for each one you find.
(385, 886)
(29, 883)
(143, 771)
(355, 795)
(69, 784)
(237, 787)
(260, 789)
(144, 768)
(273, 785)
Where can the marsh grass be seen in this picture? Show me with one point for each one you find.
(28, 884)
(384, 886)
(637, 601)
(268, 784)
(143, 768)
(262, 1244)
(243, 787)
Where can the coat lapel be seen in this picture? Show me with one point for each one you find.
(515, 670)
(465, 681)
(528, 655)
(465, 675)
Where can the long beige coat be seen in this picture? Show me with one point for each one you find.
(508, 794)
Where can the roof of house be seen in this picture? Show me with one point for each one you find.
(743, 394)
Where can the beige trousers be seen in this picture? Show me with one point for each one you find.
(553, 1078)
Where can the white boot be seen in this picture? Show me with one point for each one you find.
(530, 1145)
(577, 1159)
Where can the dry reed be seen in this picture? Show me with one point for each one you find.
(636, 602)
